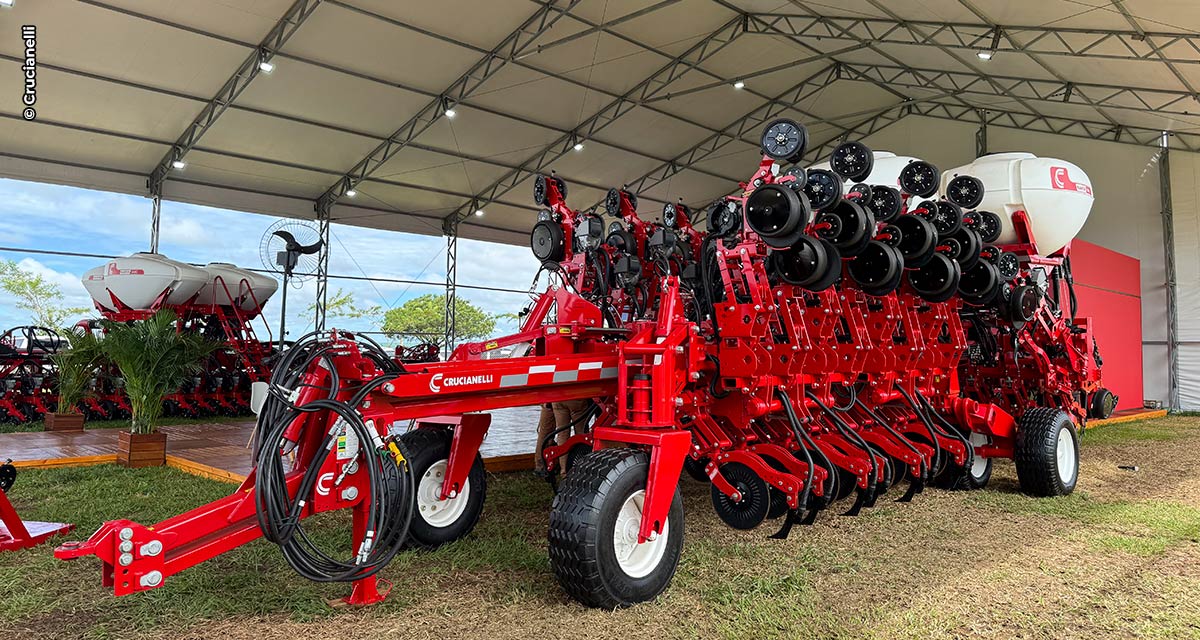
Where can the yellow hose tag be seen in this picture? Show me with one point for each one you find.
(396, 453)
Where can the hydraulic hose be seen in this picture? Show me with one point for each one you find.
(850, 435)
(800, 440)
(390, 484)
(937, 451)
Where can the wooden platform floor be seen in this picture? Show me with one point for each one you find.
(220, 450)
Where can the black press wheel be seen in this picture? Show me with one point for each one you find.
(435, 521)
(754, 500)
(575, 454)
(541, 191)
(975, 476)
(593, 538)
(1046, 452)
(1102, 405)
(695, 469)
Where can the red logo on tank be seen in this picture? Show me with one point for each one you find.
(1060, 179)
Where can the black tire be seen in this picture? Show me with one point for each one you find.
(582, 523)
(574, 454)
(1102, 405)
(975, 477)
(755, 502)
(426, 448)
(695, 469)
(1035, 453)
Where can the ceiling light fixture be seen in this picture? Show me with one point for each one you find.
(739, 85)
(266, 67)
(351, 193)
(478, 212)
(178, 164)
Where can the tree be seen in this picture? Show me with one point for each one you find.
(33, 293)
(343, 305)
(425, 318)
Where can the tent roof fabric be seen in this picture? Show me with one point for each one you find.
(353, 117)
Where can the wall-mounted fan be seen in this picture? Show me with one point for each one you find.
(290, 248)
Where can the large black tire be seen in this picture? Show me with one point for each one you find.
(1046, 464)
(437, 522)
(583, 524)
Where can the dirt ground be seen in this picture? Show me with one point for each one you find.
(1119, 558)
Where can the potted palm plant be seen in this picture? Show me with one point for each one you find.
(76, 365)
(154, 358)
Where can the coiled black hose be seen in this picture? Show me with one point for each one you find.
(391, 489)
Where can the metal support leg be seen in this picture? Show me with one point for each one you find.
(981, 138)
(450, 228)
(322, 270)
(155, 221)
(1168, 234)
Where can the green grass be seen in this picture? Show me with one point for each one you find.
(251, 580)
(1153, 430)
(8, 427)
(1147, 527)
(882, 575)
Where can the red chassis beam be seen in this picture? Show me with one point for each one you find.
(138, 558)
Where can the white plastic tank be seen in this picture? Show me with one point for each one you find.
(1055, 194)
(142, 279)
(229, 285)
(885, 172)
(93, 281)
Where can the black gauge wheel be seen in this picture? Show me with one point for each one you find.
(919, 178)
(852, 160)
(548, 242)
(784, 140)
(965, 191)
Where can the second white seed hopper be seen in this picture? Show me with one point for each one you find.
(229, 285)
(1056, 195)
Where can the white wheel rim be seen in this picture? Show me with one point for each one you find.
(433, 510)
(637, 560)
(1066, 456)
(979, 464)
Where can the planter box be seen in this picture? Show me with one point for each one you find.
(141, 449)
(64, 422)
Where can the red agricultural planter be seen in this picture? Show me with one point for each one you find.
(226, 311)
(812, 348)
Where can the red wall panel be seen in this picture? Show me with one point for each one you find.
(1108, 288)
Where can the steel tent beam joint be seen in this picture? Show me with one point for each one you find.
(237, 83)
(466, 85)
(640, 93)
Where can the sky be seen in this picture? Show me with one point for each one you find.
(62, 218)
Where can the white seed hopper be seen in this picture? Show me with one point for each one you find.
(1055, 194)
(142, 279)
(230, 285)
